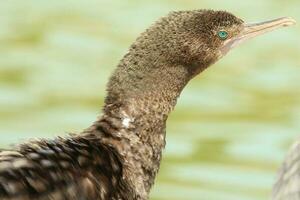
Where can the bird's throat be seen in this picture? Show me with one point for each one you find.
(135, 114)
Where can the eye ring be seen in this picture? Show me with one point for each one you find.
(223, 35)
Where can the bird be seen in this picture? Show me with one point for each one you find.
(287, 185)
(119, 155)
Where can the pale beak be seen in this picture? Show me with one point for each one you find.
(251, 30)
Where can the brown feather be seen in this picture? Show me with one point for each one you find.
(118, 157)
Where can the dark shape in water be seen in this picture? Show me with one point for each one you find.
(118, 157)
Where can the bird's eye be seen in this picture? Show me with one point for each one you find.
(223, 35)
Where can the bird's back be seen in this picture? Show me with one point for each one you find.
(288, 183)
(75, 168)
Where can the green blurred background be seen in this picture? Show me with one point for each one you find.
(232, 126)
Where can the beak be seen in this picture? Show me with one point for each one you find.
(251, 30)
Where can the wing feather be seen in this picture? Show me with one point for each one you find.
(76, 168)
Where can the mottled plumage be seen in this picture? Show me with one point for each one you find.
(288, 182)
(118, 157)
(64, 168)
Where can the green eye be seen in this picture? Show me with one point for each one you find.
(223, 35)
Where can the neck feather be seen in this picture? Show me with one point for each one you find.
(141, 94)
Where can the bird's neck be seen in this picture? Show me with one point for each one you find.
(134, 119)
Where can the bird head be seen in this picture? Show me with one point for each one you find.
(178, 47)
(199, 38)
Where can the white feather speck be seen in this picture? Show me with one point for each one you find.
(126, 122)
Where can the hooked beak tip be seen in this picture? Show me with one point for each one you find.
(289, 21)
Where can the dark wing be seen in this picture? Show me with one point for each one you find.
(76, 168)
(287, 186)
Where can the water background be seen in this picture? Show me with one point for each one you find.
(232, 125)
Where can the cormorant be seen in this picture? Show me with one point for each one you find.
(287, 185)
(118, 157)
